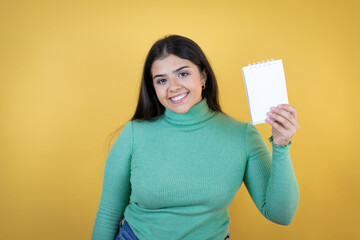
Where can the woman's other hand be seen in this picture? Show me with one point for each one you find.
(283, 120)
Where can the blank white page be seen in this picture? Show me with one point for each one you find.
(265, 87)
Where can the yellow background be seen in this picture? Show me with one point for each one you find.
(70, 73)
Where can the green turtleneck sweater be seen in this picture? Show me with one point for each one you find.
(182, 171)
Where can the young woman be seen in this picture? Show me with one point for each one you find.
(176, 166)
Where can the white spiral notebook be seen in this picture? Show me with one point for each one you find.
(265, 87)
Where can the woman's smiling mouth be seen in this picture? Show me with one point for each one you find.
(179, 98)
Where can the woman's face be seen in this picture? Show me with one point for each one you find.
(177, 82)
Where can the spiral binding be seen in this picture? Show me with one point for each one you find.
(262, 64)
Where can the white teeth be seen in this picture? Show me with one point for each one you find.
(179, 97)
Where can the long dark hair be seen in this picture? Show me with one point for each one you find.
(148, 106)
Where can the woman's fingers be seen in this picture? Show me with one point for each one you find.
(283, 116)
(283, 120)
(290, 109)
(275, 124)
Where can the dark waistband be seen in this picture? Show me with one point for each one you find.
(124, 224)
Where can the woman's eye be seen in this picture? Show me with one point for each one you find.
(161, 81)
(183, 74)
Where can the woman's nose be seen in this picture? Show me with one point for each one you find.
(174, 85)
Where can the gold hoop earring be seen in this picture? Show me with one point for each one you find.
(203, 87)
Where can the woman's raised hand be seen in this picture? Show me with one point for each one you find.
(283, 120)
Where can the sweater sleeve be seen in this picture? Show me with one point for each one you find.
(115, 192)
(270, 180)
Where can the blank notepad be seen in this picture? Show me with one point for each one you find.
(265, 87)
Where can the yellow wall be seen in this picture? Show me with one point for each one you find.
(69, 76)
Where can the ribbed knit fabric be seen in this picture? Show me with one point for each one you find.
(182, 171)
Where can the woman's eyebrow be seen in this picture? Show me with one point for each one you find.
(162, 75)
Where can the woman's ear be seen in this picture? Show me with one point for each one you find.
(203, 76)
